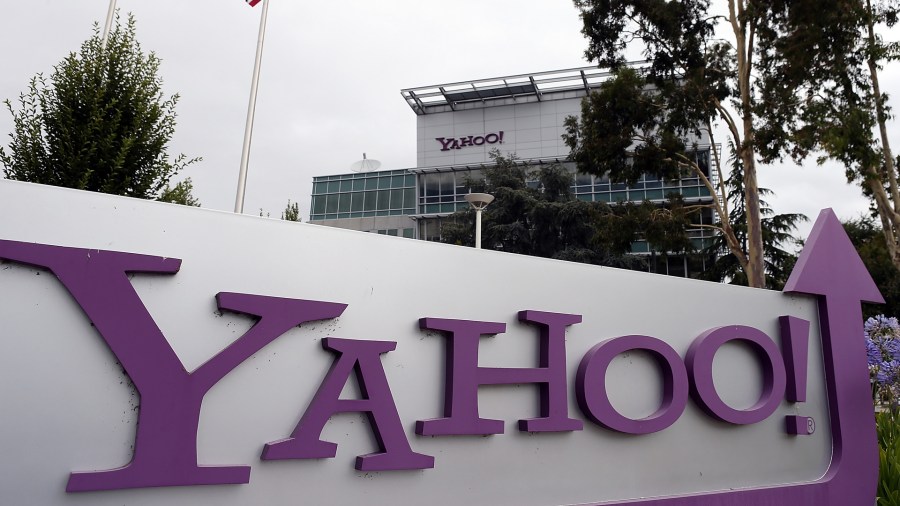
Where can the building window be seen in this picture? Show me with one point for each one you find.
(385, 193)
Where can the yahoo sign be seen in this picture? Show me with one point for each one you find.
(613, 409)
(448, 143)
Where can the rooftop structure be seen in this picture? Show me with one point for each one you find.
(509, 90)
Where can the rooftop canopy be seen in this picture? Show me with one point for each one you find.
(505, 90)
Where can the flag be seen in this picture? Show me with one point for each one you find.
(252, 3)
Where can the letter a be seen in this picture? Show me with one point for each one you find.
(363, 357)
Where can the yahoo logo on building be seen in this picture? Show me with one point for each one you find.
(165, 446)
(471, 140)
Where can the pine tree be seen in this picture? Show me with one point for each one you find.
(778, 238)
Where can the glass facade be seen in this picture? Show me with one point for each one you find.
(601, 189)
(364, 194)
(701, 237)
(429, 196)
(445, 192)
(430, 228)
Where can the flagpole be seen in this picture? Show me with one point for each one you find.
(251, 111)
(109, 19)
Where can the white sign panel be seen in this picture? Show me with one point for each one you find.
(158, 354)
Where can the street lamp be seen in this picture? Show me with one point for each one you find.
(479, 201)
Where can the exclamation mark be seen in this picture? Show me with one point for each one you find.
(501, 136)
(795, 349)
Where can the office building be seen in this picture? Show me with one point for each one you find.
(458, 125)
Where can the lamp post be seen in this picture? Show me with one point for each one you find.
(479, 201)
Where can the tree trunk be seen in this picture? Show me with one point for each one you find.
(887, 205)
(744, 34)
(756, 273)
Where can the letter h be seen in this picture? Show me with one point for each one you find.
(464, 376)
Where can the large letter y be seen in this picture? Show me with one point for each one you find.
(165, 446)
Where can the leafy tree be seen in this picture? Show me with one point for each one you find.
(870, 244)
(101, 123)
(624, 133)
(693, 78)
(291, 211)
(535, 213)
(778, 239)
(846, 113)
(181, 193)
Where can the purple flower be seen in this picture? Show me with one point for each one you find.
(882, 335)
(873, 353)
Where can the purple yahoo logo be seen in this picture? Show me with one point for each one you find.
(464, 376)
(165, 452)
(470, 140)
(830, 269)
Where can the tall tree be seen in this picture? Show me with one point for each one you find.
(624, 132)
(692, 80)
(849, 116)
(101, 123)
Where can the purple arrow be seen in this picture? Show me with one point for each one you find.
(830, 269)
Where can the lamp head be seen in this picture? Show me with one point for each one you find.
(479, 200)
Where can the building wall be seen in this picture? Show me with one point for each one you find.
(400, 226)
(530, 130)
(386, 201)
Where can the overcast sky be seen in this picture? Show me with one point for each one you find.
(332, 72)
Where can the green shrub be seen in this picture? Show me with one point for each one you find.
(888, 424)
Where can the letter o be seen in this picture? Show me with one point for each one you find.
(699, 362)
(478, 141)
(492, 138)
(590, 387)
